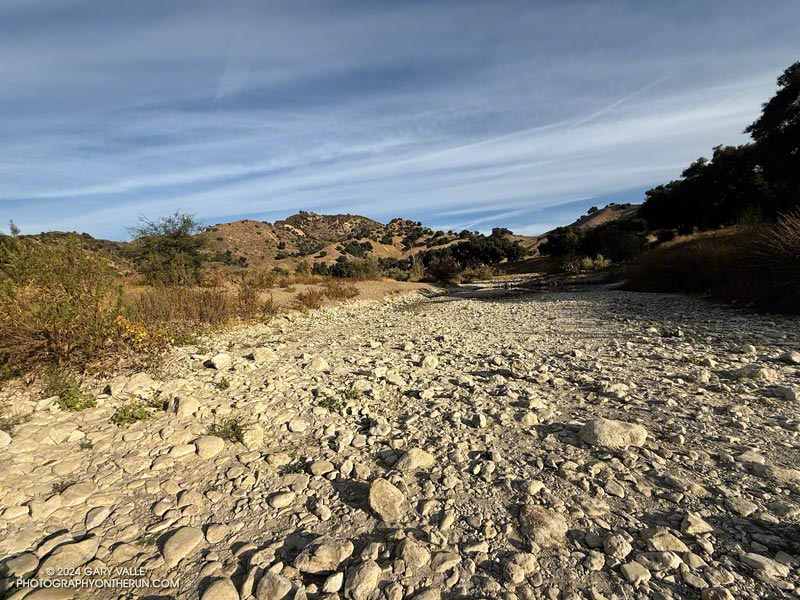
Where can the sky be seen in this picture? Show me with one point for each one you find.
(460, 114)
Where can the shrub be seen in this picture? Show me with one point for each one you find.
(167, 251)
(584, 264)
(665, 235)
(396, 273)
(58, 304)
(444, 269)
(482, 273)
(772, 261)
(70, 397)
(757, 267)
(336, 290)
(367, 268)
(310, 299)
(230, 429)
(130, 413)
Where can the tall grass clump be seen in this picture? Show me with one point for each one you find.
(311, 299)
(772, 260)
(59, 304)
(337, 290)
(756, 266)
(197, 306)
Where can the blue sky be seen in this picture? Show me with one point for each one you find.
(461, 114)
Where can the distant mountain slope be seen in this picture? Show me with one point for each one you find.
(311, 237)
(317, 238)
(610, 212)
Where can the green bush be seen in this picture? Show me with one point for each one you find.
(70, 397)
(167, 251)
(130, 413)
(230, 429)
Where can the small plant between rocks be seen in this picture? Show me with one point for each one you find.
(70, 397)
(60, 486)
(230, 429)
(130, 413)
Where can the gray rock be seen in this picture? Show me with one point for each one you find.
(387, 501)
(608, 433)
(323, 555)
(180, 543)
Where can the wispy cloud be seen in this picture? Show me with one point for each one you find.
(460, 114)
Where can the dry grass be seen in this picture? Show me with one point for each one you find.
(338, 290)
(311, 299)
(198, 306)
(267, 278)
(63, 306)
(59, 304)
(757, 267)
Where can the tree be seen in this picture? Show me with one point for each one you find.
(776, 134)
(167, 251)
(761, 178)
(13, 229)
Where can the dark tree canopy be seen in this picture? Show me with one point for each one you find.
(761, 178)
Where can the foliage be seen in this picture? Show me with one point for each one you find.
(70, 397)
(58, 304)
(445, 264)
(226, 258)
(617, 241)
(363, 269)
(482, 273)
(445, 269)
(585, 264)
(230, 429)
(167, 251)
(757, 267)
(759, 178)
(357, 249)
(130, 413)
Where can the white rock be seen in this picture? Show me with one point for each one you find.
(208, 446)
(362, 580)
(220, 361)
(272, 587)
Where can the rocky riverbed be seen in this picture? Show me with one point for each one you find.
(559, 444)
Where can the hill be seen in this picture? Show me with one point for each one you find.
(327, 239)
(314, 238)
(607, 214)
